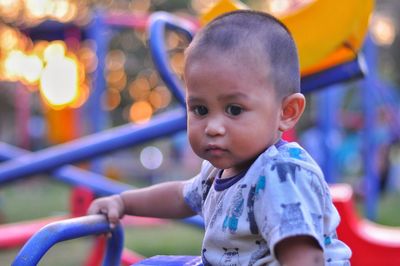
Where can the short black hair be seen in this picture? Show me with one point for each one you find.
(236, 32)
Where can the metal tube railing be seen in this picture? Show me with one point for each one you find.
(92, 146)
(37, 246)
(160, 22)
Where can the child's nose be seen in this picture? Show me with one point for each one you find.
(215, 127)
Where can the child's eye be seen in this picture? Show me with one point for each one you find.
(234, 110)
(200, 110)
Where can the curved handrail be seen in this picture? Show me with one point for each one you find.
(353, 69)
(33, 250)
(159, 23)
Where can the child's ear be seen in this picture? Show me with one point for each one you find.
(292, 109)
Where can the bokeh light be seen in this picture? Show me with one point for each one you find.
(55, 50)
(139, 89)
(151, 157)
(160, 97)
(140, 112)
(59, 81)
(12, 65)
(111, 99)
(115, 60)
(31, 69)
(383, 30)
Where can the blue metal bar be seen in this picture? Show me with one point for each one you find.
(350, 70)
(159, 23)
(75, 176)
(92, 146)
(370, 148)
(328, 102)
(100, 185)
(98, 31)
(53, 233)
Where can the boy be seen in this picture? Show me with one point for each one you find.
(264, 201)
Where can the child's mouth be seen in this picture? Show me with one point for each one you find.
(215, 150)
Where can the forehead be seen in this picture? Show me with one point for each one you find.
(223, 75)
(243, 64)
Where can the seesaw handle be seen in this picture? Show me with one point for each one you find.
(159, 23)
(33, 250)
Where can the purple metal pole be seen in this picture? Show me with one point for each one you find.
(53, 233)
(98, 31)
(353, 69)
(92, 146)
(74, 176)
(370, 149)
(159, 23)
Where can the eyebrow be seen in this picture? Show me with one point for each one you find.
(193, 100)
(233, 96)
(225, 97)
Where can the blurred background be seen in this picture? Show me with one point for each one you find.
(72, 68)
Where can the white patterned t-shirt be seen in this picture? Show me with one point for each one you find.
(283, 194)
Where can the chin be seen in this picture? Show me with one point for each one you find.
(220, 165)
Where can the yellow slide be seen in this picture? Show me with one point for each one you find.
(326, 32)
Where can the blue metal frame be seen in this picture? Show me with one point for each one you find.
(100, 185)
(159, 23)
(353, 69)
(92, 146)
(75, 176)
(328, 102)
(99, 32)
(370, 148)
(53, 233)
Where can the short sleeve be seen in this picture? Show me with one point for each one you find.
(289, 201)
(196, 189)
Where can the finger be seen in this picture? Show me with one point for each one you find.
(93, 209)
(113, 218)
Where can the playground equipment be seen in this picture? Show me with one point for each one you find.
(54, 159)
(371, 244)
(322, 39)
(56, 232)
(362, 235)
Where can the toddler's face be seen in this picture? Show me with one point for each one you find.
(233, 113)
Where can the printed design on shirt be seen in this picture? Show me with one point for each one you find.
(261, 252)
(328, 239)
(235, 211)
(193, 199)
(315, 184)
(206, 186)
(316, 218)
(285, 168)
(252, 197)
(217, 213)
(260, 185)
(204, 259)
(296, 153)
(292, 219)
(250, 210)
(230, 257)
(266, 227)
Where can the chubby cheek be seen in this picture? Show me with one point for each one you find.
(194, 137)
(251, 141)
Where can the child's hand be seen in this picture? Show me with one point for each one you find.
(112, 207)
